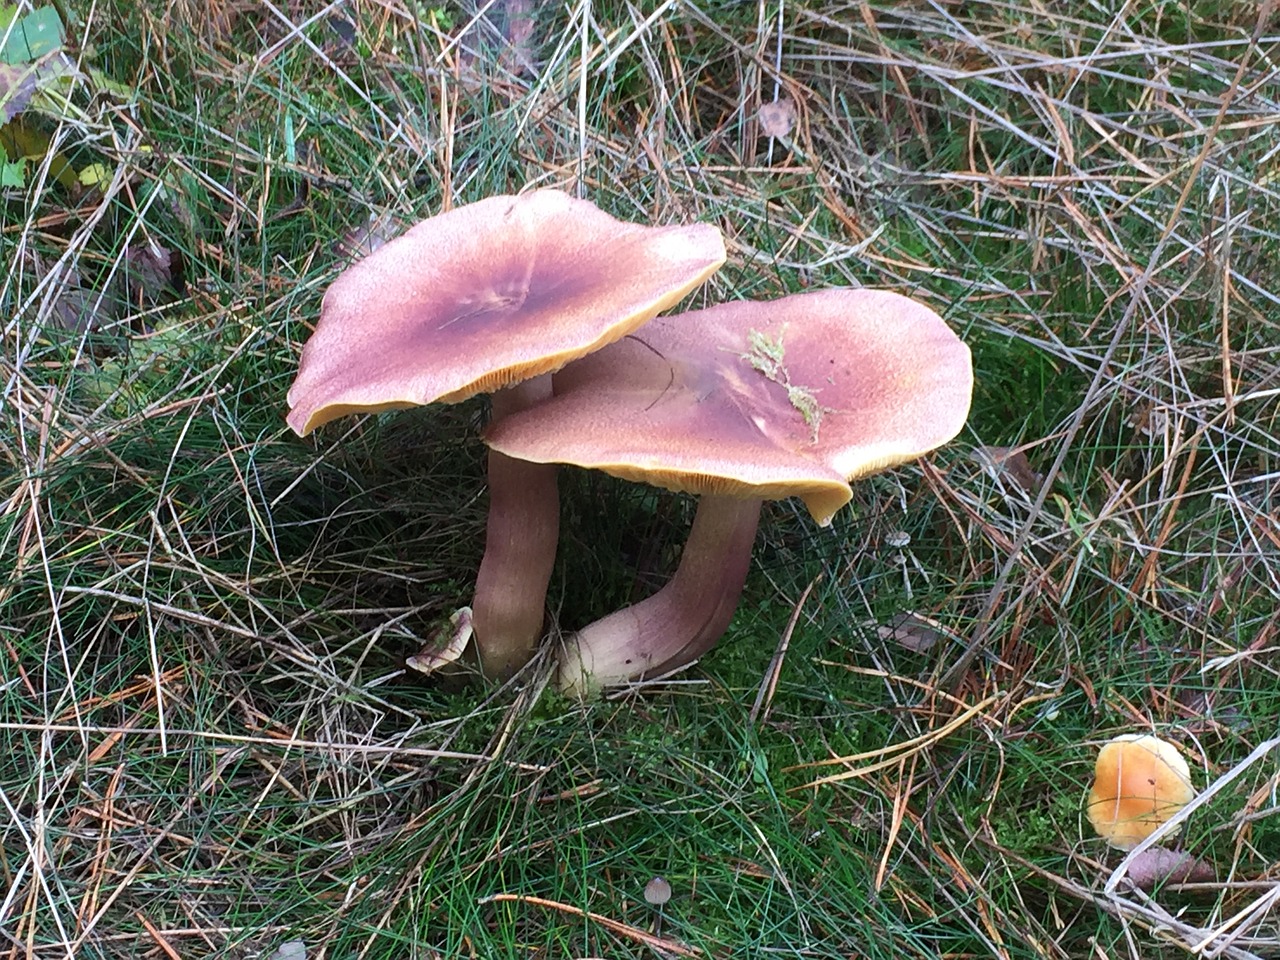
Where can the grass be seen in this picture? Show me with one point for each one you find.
(213, 749)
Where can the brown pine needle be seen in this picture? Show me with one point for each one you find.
(617, 926)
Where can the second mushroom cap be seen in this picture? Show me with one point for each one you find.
(758, 399)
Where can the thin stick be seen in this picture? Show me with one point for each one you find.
(617, 926)
(158, 937)
(777, 72)
(764, 699)
(372, 749)
(910, 748)
(584, 60)
(634, 35)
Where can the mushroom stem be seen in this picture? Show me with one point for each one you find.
(519, 547)
(681, 621)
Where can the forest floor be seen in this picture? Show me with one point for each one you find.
(214, 749)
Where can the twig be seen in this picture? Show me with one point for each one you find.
(281, 741)
(902, 750)
(764, 698)
(617, 926)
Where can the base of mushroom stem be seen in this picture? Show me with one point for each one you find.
(680, 622)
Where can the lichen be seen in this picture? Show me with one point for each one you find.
(768, 356)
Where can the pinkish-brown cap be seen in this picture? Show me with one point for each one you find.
(487, 295)
(792, 397)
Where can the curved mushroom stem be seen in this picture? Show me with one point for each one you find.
(681, 621)
(519, 547)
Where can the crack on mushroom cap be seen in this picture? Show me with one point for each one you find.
(488, 295)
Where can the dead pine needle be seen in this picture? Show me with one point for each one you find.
(615, 926)
(760, 709)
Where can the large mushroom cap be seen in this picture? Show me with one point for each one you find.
(487, 295)
(1140, 781)
(765, 400)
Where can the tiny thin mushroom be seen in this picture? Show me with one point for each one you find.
(657, 893)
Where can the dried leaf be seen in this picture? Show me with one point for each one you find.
(1009, 463)
(291, 950)
(915, 632)
(70, 305)
(520, 56)
(344, 30)
(1158, 866)
(778, 118)
(504, 34)
(370, 235)
(17, 86)
(446, 646)
(149, 269)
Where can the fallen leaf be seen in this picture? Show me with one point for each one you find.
(1158, 866)
(507, 25)
(778, 118)
(1009, 463)
(20, 140)
(13, 173)
(915, 632)
(344, 30)
(149, 269)
(70, 306)
(520, 56)
(446, 646)
(95, 175)
(17, 86)
(370, 235)
(291, 950)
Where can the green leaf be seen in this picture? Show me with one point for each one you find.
(36, 34)
(20, 140)
(95, 175)
(13, 173)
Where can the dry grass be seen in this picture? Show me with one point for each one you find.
(212, 747)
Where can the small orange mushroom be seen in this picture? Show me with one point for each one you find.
(1140, 782)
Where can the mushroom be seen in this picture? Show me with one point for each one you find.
(1140, 782)
(657, 893)
(493, 297)
(740, 403)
